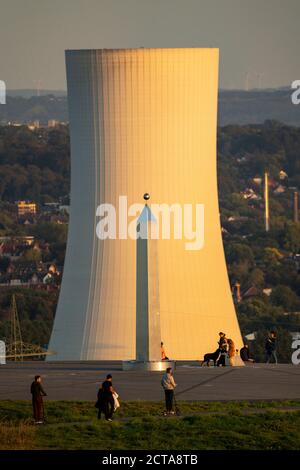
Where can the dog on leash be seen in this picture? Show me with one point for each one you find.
(211, 357)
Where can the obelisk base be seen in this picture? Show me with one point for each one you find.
(152, 366)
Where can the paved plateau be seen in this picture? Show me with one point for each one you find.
(80, 381)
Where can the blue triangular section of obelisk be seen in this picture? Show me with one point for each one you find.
(146, 215)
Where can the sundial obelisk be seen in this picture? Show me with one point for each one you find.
(148, 332)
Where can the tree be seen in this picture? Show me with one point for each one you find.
(285, 297)
(32, 255)
(291, 237)
(4, 263)
(256, 277)
(271, 256)
(238, 252)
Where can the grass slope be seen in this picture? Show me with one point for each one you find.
(139, 425)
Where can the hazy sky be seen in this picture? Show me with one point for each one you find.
(254, 36)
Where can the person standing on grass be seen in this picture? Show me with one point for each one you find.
(38, 393)
(271, 347)
(108, 398)
(168, 384)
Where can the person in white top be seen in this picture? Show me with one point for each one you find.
(168, 384)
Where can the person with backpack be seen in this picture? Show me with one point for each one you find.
(106, 401)
(100, 402)
(168, 384)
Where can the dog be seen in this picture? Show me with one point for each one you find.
(211, 357)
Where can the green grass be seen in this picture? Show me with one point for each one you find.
(139, 425)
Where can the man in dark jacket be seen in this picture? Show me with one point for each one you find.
(38, 393)
(271, 347)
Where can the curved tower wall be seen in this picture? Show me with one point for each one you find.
(142, 120)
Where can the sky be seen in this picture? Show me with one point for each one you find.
(258, 39)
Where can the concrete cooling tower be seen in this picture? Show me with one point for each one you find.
(142, 121)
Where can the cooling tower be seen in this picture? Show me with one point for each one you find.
(142, 120)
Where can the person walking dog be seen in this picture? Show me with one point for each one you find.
(223, 346)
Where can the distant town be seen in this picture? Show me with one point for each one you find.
(48, 108)
(24, 257)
